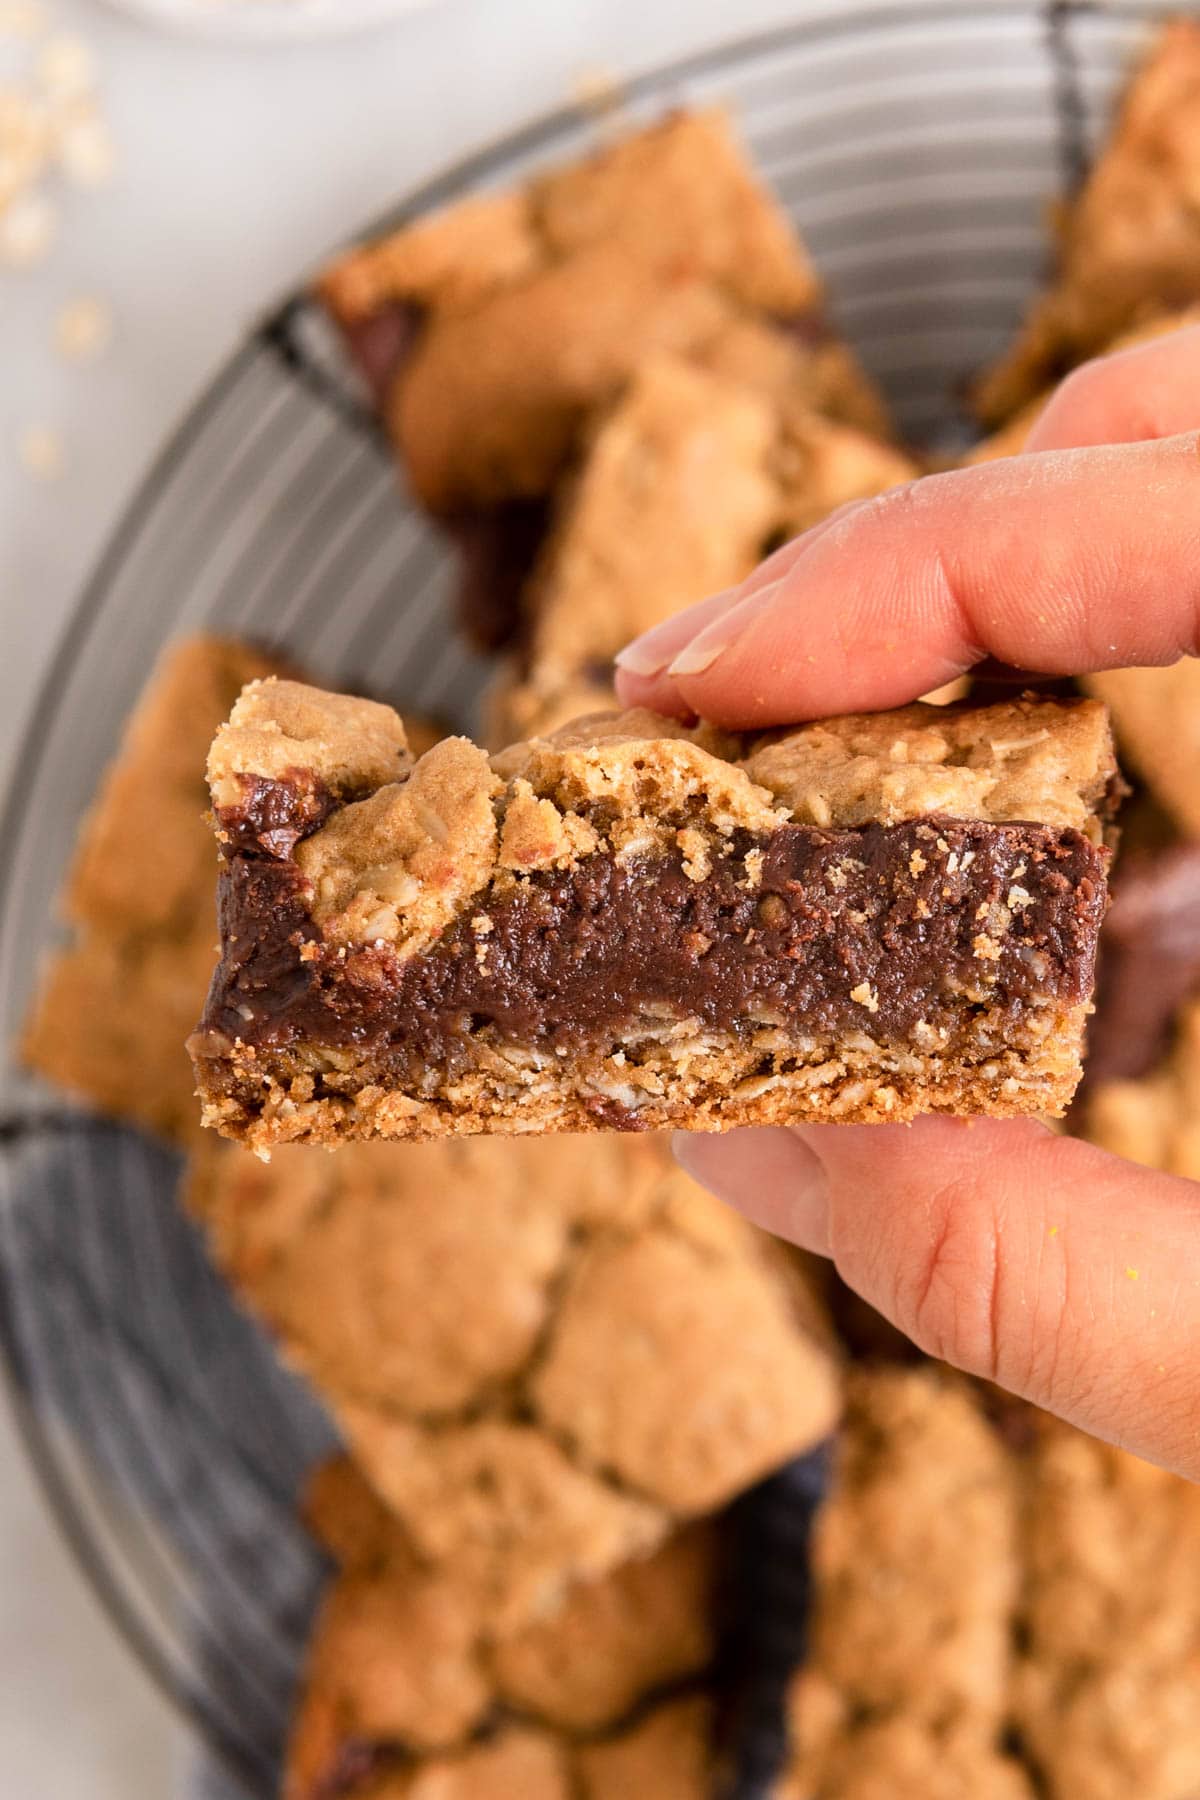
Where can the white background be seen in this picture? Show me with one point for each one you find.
(239, 168)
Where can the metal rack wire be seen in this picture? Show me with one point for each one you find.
(916, 145)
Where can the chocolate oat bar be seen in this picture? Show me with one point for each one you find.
(633, 924)
(544, 1352)
(1129, 244)
(406, 1692)
(1106, 1699)
(916, 1582)
(489, 331)
(115, 1003)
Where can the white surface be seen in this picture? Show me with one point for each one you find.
(267, 21)
(239, 169)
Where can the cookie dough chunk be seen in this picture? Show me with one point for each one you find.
(687, 483)
(1107, 1700)
(633, 924)
(668, 1755)
(1156, 717)
(902, 1759)
(402, 1667)
(1130, 243)
(538, 1386)
(115, 1005)
(916, 1581)
(488, 332)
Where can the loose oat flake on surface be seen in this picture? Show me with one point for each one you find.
(53, 131)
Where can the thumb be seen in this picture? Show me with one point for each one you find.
(1043, 1264)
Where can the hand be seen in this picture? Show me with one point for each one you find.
(1065, 1274)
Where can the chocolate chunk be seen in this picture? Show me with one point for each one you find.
(497, 547)
(381, 343)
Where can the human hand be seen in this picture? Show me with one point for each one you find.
(1065, 1274)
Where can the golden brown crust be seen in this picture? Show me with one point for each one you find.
(647, 1625)
(475, 1355)
(1107, 1696)
(1130, 243)
(276, 727)
(676, 499)
(114, 1007)
(537, 307)
(681, 192)
(685, 484)
(1046, 761)
(916, 1581)
(668, 1755)
(452, 259)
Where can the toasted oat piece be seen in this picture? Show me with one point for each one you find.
(543, 1352)
(685, 484)
(489, 331)
(632, 924)
(115, 1005)
(1129, 245)
(916, 1581)
(403, 1666)
(1106, 1701)
(1156, 718)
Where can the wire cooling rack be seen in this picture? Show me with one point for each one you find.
(917, 146)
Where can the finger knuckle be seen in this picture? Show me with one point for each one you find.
(949, 1298)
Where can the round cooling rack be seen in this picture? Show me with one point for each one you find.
(916, 146)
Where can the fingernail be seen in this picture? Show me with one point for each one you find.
(769, 1175)
(704, 649)
(651, 653)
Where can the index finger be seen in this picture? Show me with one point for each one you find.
(1064, 562)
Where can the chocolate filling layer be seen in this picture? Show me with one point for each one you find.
(879, 929)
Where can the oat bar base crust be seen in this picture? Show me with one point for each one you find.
(719, 1091)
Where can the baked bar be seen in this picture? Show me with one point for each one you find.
(685, 485)
(115, 1004)
(916, 1579)
(1129, 245)
(542, 1352)
(1107, 1696)
(633, 924)
(490, 331)
(402, 1670)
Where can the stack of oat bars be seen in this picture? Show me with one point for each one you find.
(557, 1367)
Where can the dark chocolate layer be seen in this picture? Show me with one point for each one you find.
(874, 929)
